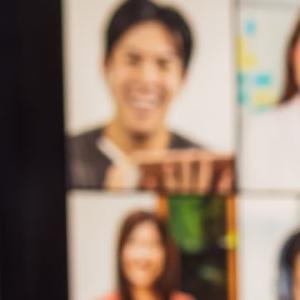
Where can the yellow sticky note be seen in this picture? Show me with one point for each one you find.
(264, 97)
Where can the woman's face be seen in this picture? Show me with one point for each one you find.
(143, 256)
(144, 72)
(296, 63)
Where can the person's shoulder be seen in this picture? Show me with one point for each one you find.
(83, 142)
(182, 296)
(178, 141)
(91, 134)
(86, 164)
(111, 296)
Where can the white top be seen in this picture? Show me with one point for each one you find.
(130, 171)
(270, 154)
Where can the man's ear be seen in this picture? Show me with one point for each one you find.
(103, 66)
(183, 77)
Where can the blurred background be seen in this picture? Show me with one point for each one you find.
(58, 245)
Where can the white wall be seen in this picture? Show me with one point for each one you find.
(205, 108)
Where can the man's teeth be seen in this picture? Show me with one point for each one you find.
(145, 104)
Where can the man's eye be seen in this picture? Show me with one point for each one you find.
(163, 64)
(133, 60)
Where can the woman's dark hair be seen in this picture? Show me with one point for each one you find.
(290, 87)
(287, 262)
(132, 12)
(169, 279)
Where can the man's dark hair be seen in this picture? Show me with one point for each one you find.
(132, 12)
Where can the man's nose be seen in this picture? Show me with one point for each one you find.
(149, 73)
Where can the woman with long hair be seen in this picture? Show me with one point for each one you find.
(147, 261)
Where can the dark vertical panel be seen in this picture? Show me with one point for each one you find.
(11, 234)
(33, 237)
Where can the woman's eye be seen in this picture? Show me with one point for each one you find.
(131, 241)
(155, 244)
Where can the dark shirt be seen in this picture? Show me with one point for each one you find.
(87, 164)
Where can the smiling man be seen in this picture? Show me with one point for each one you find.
(144, 72)
(148, 50)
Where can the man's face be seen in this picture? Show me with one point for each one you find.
(144, 73)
